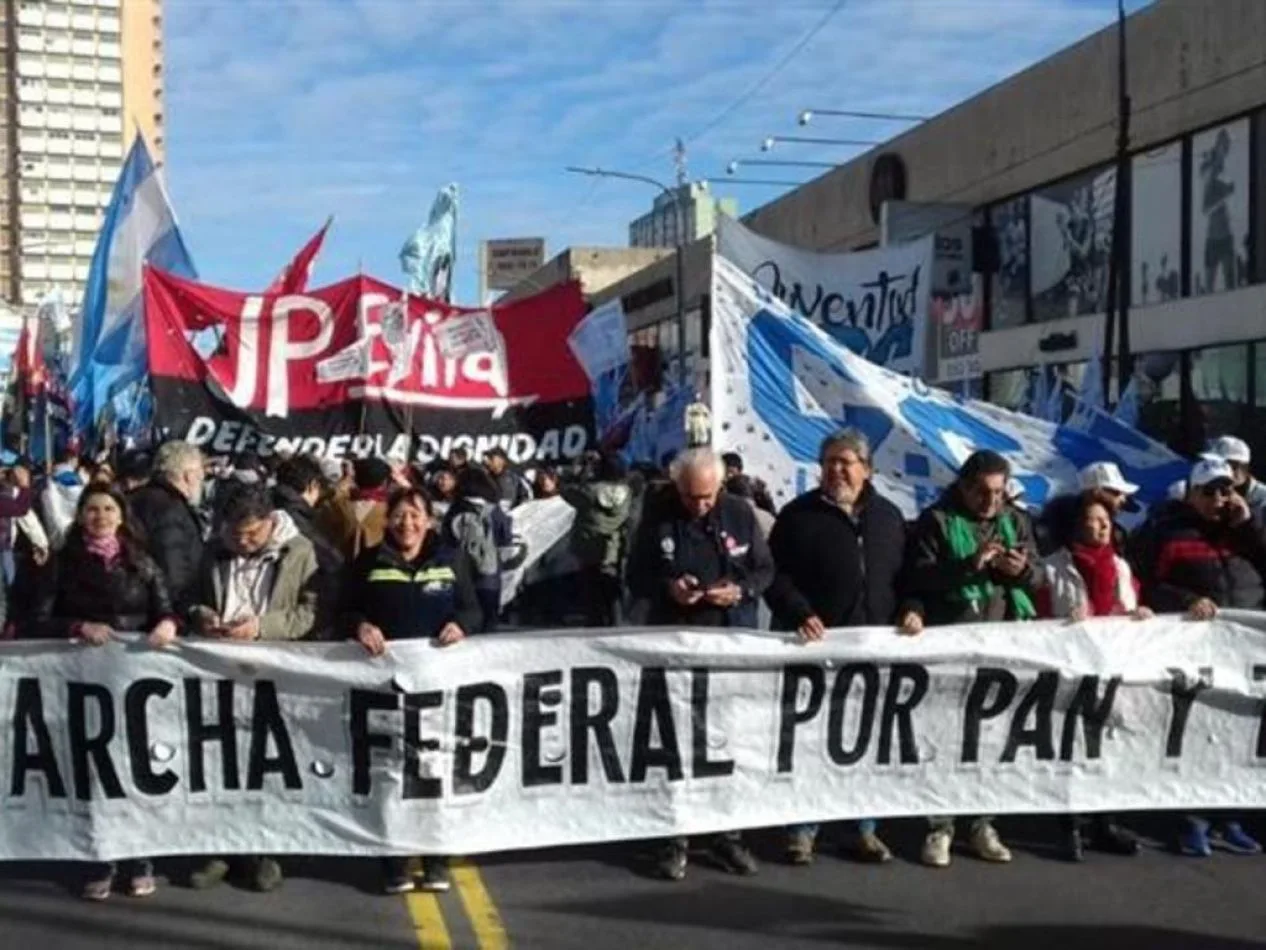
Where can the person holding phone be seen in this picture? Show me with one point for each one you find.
(700, 560)
(1208, 554)
(260, 581)
(971, 559)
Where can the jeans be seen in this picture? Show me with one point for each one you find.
(866, 826)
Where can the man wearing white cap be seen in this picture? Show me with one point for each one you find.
(1208, 554)
(1235, 452)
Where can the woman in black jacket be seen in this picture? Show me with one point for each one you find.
(412, 586)
(102, 581)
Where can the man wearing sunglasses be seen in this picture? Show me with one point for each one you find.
(1209, 553)
(1236, 453)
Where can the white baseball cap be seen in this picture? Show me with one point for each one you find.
(1231, 449)
(1015, 492)
(1105, 475)
(1210, 469)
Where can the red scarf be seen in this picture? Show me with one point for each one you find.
(1098, 568)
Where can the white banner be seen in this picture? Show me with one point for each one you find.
(537, 740)
(875, 303)
(780, 385)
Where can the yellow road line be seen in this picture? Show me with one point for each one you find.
(428, 921)
(484, 918)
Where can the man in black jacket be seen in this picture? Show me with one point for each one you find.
(700, 560)
(838, 551)
(300, 485)
(173, 530)
(972, 558)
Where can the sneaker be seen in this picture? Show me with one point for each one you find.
(211, 874)
(1238, 841)
(936, 849)
(98, 890)
(435, 875)
(398, 885)
(986, 845)
(142, 885)
(871, 849)
(800, 848)
(1194, 841)
(266, 876)
(1113, 839)
(1074, 849)
(732, 855)
(671, 861)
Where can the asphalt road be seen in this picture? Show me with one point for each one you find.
(590, 898)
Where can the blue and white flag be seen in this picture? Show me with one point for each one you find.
(430, 254)
(108, 354)
(1092, 393)
(1127, 410)
(780, 384)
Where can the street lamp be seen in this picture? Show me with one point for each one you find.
(806, 116)
(772, 140)
(680, 214)
(734, 165)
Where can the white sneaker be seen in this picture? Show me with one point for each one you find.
(987, 846)
(936, 849)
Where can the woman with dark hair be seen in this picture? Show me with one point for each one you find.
(1087, 578)
(412, 586)
(102, 581)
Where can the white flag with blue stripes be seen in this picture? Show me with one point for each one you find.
(139, 228)
(780, 385)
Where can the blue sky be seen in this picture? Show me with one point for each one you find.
(281, 112)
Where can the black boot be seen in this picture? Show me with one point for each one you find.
(1113, 839)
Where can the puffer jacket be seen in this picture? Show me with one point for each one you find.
(287, 566)
(602, 519)
(173, 537)
(129, 596)
(1192, 557)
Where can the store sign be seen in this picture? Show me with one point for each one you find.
(508, 261)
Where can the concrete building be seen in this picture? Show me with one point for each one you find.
(1030, 159)
(658, 227)
(597, 268)
(79, 77)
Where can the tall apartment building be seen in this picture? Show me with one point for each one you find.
(78, 78)
(658, 228)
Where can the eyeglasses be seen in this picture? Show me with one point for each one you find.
(1217, 491)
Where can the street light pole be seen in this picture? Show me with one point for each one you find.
(680, 215)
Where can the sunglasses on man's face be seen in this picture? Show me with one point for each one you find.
(1217, 491)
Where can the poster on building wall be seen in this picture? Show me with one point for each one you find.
(1010, 222)
(873, 302)
(1070, 228)
(1220, 208)
(1156, 226)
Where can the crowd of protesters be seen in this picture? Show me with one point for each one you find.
(307, 549)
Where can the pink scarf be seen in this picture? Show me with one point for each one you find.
(106, 548)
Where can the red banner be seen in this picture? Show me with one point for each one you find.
(356, 368)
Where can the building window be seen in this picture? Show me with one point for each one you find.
(1220, 208)
(1009, 302)
(1009, 388)
(1219, 387)
(1259, 220)
(1070, 236)
(1156, 226)
(1159, 377)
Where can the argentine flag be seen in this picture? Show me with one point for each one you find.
(140, 228)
